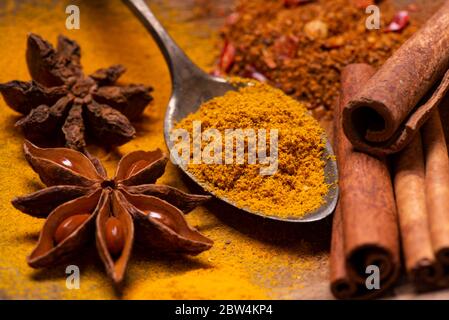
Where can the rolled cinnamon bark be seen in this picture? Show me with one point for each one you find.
(342, 287)
(389, 110)
(368, 211)
(410, 190)
(437, 186)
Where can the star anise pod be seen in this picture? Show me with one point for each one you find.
(63, 104)
(81, 203)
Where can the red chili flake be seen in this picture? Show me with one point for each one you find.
(227, 57)
(399, 22)
(232, 18)
(412, 7)
(268, 59)
(292, 3)
(362, 4)
(334, 43)
(286, 46)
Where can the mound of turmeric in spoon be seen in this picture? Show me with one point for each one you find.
(259, 149)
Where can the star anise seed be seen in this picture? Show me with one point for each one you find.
(81, 203)
(63, 104)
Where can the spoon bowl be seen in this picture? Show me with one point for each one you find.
(192, 87)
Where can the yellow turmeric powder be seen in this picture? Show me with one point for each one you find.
(298, 185)
(250, 261)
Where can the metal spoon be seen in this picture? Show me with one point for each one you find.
(192, 87)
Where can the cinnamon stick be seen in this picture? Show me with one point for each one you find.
(368, 211)
(410, 190)
(389, 110)
(437, 186)
(341, 285)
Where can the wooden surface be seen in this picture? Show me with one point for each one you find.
(279, 238)
(316, 281)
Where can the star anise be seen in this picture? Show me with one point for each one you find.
(63, 104)
(80, 203)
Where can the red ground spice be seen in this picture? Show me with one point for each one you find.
(302, 48)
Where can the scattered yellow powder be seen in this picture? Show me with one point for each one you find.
(272, 261)
(211, 284)
(298, 186)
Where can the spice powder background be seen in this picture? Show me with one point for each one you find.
(244, 262)
(271, 260)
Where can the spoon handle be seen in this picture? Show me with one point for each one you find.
(180, 66)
